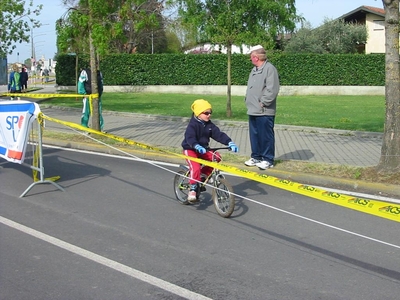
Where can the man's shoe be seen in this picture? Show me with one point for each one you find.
(263, 165)
(192, 196)
(251, 162)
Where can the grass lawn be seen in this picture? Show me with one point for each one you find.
(361, 113)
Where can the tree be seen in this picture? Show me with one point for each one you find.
(14, 27)
(152, 37)
(338, 36)
(173, 43)
(390, 153)
(238, 22)
(99, 26)
(305, 40)
(333, 36)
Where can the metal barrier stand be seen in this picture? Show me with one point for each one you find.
(40, 167)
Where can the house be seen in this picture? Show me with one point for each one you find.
(374, 19)
(213, 49)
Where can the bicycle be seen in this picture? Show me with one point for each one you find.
(222, 192)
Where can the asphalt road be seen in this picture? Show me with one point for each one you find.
(117, 232)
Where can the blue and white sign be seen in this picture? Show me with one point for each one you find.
(16, 118)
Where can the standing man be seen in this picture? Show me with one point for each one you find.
(262, 90)
(24, 80)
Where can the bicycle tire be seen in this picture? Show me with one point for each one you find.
(223, 198)
(181, 187)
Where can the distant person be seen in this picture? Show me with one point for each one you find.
(83, 77)
(196, 143)
(262, 91)
(14, 82)
(46, 75)
(24, 80)
(41, 74)
(85, 87)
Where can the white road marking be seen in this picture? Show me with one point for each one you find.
(170, 287)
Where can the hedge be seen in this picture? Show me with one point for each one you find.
(211, 69)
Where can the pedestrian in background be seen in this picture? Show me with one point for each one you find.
(41, 73)
(46, 74)
(83, 77)
(14, 81)
(24, 80)
(85, 88)
(262, 91)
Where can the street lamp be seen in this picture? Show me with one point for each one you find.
(33, 56)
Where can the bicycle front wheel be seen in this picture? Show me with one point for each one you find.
(223, 198)
(181, 187)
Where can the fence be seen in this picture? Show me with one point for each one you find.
(20, 141)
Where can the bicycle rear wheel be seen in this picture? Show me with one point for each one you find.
(181, 187)
(223, 198)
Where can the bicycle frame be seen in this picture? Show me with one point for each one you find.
(222, 192)
(215, 172)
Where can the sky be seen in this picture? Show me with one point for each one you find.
(314, 11)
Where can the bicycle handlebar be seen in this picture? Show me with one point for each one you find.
(219, 148)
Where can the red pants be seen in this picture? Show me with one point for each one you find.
(196, 168)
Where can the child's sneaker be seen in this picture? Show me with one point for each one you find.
(192, 196)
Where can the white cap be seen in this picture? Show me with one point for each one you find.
(257, 47)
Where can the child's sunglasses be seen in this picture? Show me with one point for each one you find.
(207, 113)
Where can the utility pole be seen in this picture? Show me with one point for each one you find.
(32, 46)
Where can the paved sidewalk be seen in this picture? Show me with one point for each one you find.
(292, 142)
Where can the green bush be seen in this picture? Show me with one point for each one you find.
(211, 69)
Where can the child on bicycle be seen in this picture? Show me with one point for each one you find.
(196, 142)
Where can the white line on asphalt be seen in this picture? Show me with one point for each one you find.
(170, 287)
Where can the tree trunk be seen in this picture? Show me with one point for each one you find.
(390, 152)
(93, 70)
(77, 73)
(229, 79)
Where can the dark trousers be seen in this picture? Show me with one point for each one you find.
(262, 137)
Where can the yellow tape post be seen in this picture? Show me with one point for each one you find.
(36, 153)
(381, 209)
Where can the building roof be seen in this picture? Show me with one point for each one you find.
(362, 11)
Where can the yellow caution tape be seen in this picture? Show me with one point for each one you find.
(381, 209)
(41, 96)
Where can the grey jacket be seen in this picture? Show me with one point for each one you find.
(262, 87)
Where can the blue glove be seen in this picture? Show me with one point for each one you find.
(200, 149)
(233, 147)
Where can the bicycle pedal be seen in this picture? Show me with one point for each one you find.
(194, 201)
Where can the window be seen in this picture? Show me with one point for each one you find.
(379, 24)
